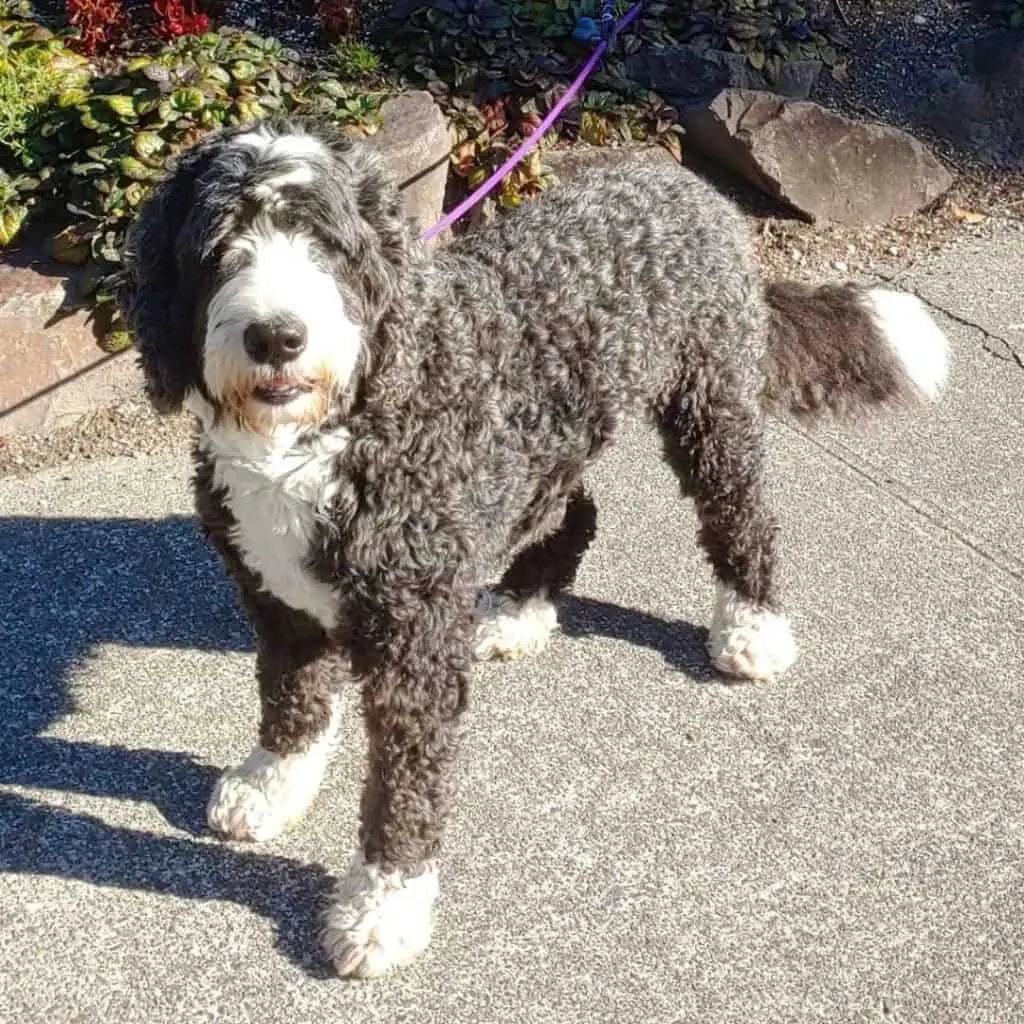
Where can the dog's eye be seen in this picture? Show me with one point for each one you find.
(226, 260)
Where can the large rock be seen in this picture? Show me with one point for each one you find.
(826, 166)
(690, 77)
(979, 105)
(416, 142)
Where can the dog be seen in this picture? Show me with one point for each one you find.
(384, 429)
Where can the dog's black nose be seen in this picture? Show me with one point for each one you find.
(274, 341)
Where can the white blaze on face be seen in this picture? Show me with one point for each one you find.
(293, 146)
(278, 277)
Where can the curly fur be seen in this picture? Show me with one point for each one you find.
(441, 439)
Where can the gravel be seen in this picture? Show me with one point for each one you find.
(130, 429)
(897, 49)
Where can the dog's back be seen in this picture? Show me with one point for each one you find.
(624, 278)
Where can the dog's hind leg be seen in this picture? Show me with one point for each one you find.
(299, 678)
(713, 438)
(518, 616)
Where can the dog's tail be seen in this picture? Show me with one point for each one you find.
(849, 352)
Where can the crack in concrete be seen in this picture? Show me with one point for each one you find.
(994, 344)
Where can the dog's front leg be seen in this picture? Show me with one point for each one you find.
(414, 667)
(299, 675)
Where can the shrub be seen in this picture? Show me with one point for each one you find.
(36, 72)
(498, 67)
(768, 32)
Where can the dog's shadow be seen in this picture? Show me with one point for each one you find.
(71, 585)
(682, 644)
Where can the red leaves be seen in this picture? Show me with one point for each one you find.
(338, 17)
(177, 18)
(102, 24)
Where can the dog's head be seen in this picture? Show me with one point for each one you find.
(257, 273)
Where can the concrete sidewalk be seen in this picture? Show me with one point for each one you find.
(637, 841)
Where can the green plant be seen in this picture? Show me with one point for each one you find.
(768, 32)
(15, 9)
(497, 66)
(354, 59)
(36, 72)
(12, 212)
(35, 69)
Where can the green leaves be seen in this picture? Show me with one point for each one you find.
(149, 147)
(243, 71)
(497, 76)
(767, 32)
(72, 97)
(187, 100)
(136, 170)
(122, 106)
(12, 217)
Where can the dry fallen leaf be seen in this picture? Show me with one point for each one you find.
(967, 216)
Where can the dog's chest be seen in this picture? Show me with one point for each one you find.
(276, 503)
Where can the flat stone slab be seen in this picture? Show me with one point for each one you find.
(51, 369)
(635, 840)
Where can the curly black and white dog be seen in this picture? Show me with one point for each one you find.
(385, 428)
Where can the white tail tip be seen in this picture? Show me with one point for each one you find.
(915, 337)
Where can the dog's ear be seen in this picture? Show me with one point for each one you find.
(149, 291)
(380, 205)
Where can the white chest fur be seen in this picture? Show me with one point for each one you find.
(276, 494)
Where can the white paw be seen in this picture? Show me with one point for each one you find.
(746, 641)
(378, 919)
(507, 628)
(259, 798)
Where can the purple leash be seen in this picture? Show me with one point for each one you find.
(534, 138)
